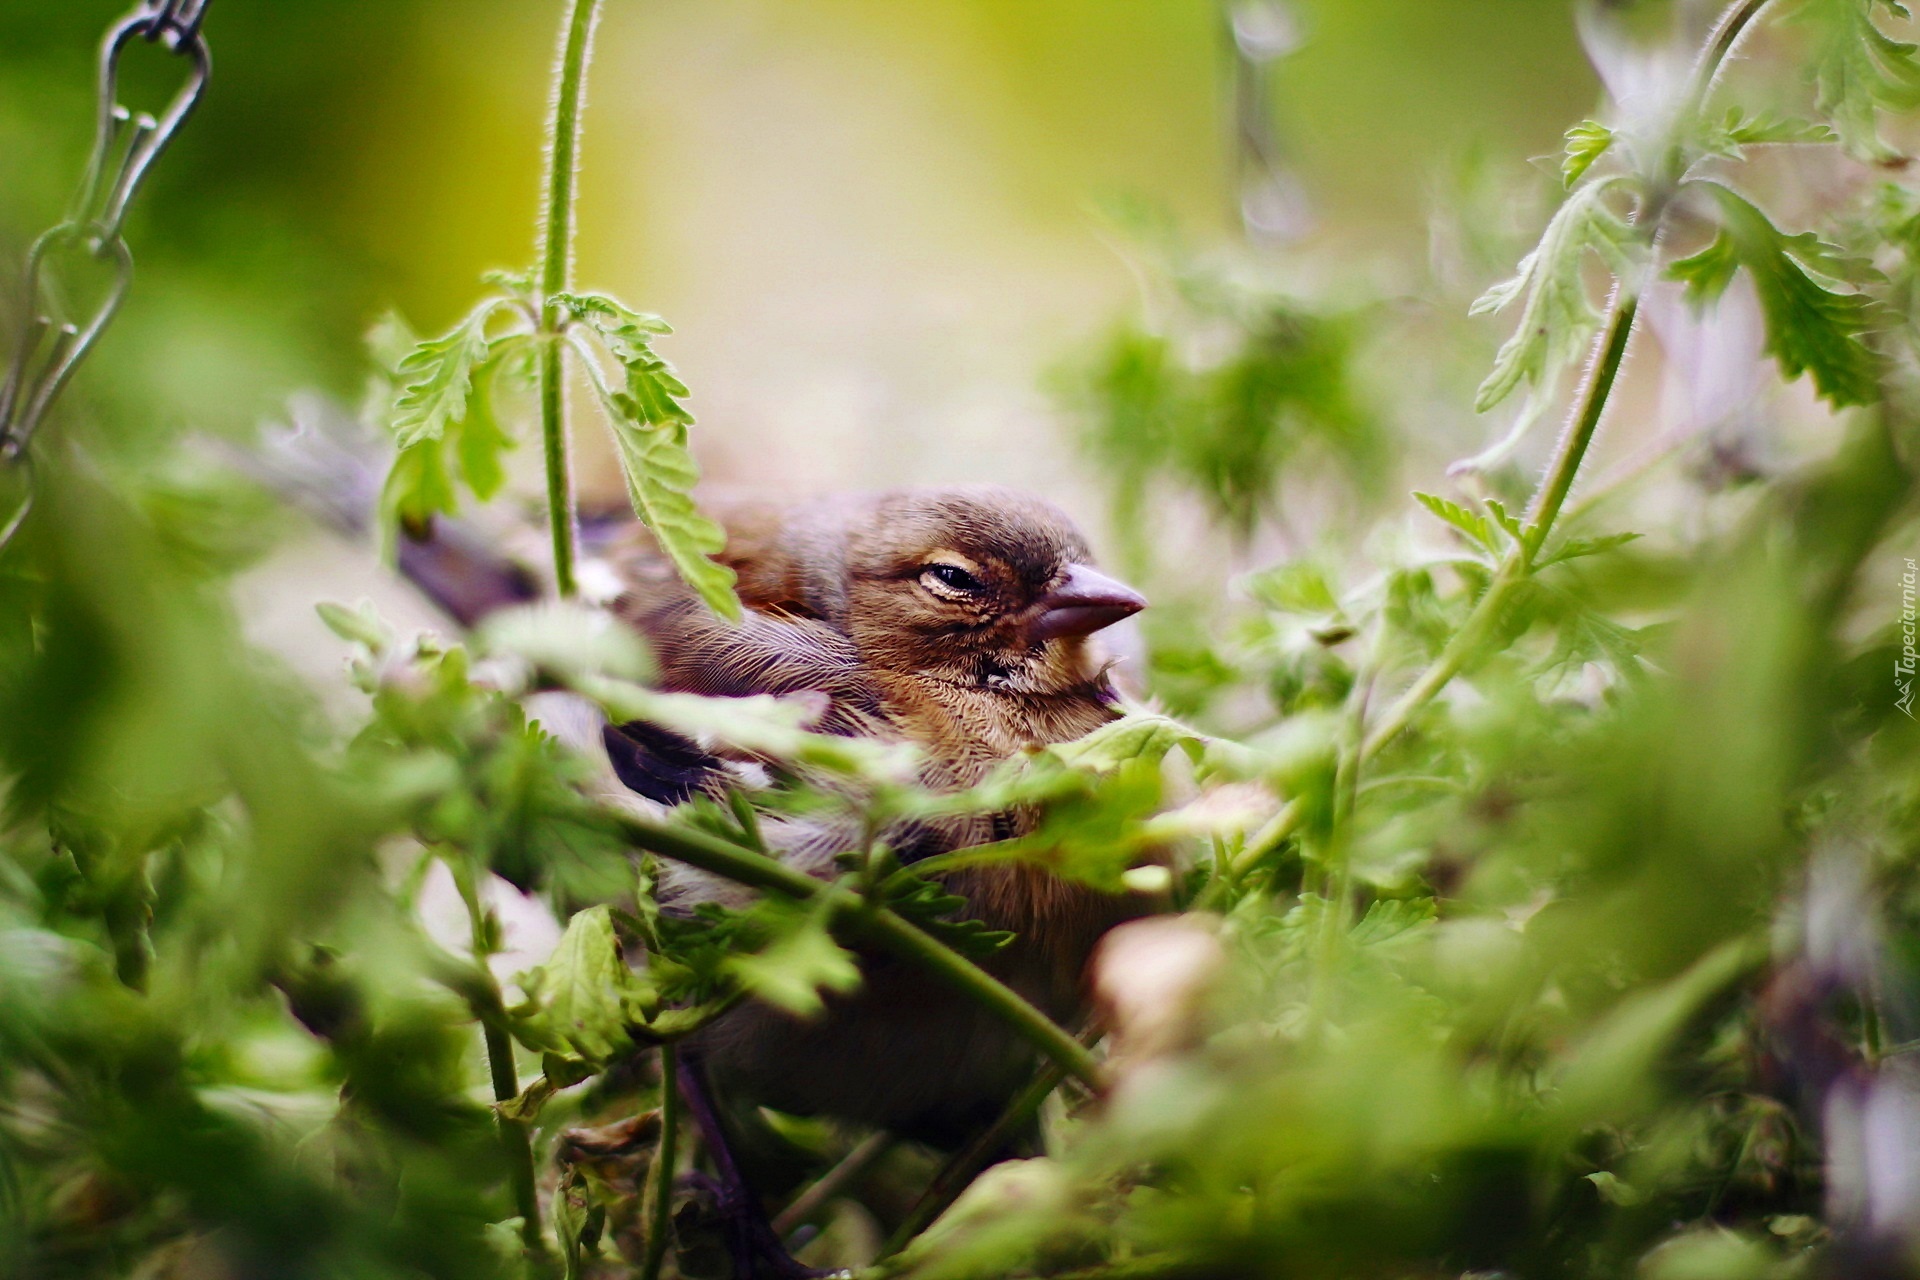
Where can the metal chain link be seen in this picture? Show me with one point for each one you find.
(53, 340)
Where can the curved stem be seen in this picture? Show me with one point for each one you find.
(810, 1202)
(873, 923)
(556, 263)
(959, 1172)
(1464, 644)
(1574, 441)
(1571, 451)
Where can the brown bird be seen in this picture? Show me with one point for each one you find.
(960, 620)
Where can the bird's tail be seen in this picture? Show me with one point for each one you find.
(332, 467)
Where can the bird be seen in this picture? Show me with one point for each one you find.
(963, 620)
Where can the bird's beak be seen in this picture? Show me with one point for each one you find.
(1083, 602)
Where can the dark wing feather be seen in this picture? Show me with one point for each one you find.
(661, 765)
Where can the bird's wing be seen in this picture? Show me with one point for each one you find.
(766, 652)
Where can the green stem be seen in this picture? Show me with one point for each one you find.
(660, 1179)
(1463, 646)
(515, 1139)
(556, 263)
(553, 435)
(483, 995)
(1574, 441)
(1726, 33)
(873, 923)
(1571, 450)
(835, 1180)
(959, 1172)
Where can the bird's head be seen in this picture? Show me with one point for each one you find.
(979, 586)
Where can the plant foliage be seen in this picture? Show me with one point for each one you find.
(1548, 893)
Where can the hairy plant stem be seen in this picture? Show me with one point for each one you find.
(867, 922)
(1610, 352)
(660, 1175)
(556, 264)
(1578, 437)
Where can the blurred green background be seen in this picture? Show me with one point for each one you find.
(869, 221)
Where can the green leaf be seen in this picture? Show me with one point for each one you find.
(1138, 735)
(1707, 273)
(628, 335)
(1811, 328)
(1390, 918)
(1574, 548)
(436, 378)
(418, 486)
(442, 417)
(1858, 70)
(1586, 143)
(1474, 526)
(802, 960)
(660, 475)
(650, 430)
(481, 440)
(761, 724)
(942, 914)
(1613, 1190)
(1508, 524)
(1556, 318)
(1736, 131)
(585, 996)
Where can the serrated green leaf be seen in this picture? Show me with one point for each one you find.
(1858, 70)
(419, 486)
(1737, 130)
(515, 284)
(436, 378)
(1137, 736)
(1586, 143)
(1811, 328)
(1474, 526)
(1574, 548)
(650, 431)
(1557, 317)
(628, 334)
(1613, 1190)
(1508, 523)
(1707, 274)
(943, 915)
(584, 997)
(442, 416)
(1388, 919)
(481, 440)
(803, 960)
(660, 473)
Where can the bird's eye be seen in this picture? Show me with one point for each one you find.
(950, 576)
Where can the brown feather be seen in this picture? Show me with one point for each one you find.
(839, 600)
